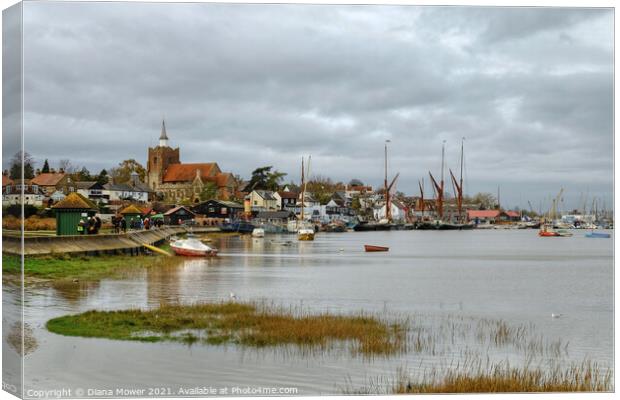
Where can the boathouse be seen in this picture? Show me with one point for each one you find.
(221, 209)
(70, 211)
(178, 215)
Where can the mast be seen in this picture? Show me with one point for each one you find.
(499, 206)
(460, 199)
(303, 189)
(388, 206)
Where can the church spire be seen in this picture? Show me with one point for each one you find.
(163, 138)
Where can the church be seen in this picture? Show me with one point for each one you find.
(174, 181)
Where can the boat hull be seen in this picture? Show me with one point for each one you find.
(600, 235)
(370, 248)
(193, 253)
(305, 236)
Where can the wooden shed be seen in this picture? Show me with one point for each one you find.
(70, 211)
(180, 213)
(130, 213)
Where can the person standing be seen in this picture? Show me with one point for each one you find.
(81, 226)
(97, 224)
(123, 225)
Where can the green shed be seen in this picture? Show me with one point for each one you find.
(70, 211)
(131, 212)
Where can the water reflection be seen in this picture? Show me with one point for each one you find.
(447, 285)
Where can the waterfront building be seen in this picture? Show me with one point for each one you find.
(176, 214)
(174, 181)
(70, 211)
(398, 211)
(218, 209)
(491, 216)
(286, 199)
(263, 200)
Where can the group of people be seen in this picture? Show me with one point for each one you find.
(135, 223)
(89, 225)
(92, 225)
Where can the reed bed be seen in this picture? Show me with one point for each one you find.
(501, 378)
(246, 324)
(475, 376)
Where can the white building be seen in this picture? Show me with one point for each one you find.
(33, 195)
(399, 212)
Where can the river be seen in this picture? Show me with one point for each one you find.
(443, 278)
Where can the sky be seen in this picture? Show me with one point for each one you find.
(530, 90)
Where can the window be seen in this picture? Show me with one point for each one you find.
(8, 190)
(211, 209)
(154, 161)
(224, 210)
(255, 202)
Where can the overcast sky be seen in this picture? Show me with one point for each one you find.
(530, 89)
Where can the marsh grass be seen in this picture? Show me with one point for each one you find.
(64, 266)
(501, 378)
(247, 324)
(475, 376)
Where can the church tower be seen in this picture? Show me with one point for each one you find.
(160, 158)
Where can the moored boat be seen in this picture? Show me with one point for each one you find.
(258, 233)
(602, 235)
(373, 248)
(305, 234)
(192, 247)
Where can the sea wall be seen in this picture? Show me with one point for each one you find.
(130, 242)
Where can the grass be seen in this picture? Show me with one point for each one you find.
(584, 377)
(246, 324)
(64, 266)
(493, 378)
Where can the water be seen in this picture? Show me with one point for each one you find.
(463, 277)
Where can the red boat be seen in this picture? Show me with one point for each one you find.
(369, 248)
(548, 233)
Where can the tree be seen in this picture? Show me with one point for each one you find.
(46, 167)
(321, 188)
(16, 166)
(264, 179)
(122, 173)
(65, 166)
(83, 175)
(103, 177)
(209, 191)
(485, 200)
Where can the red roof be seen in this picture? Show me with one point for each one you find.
(47, 179)
(187, 172)
(513, 214)
(471, 214)
(288, 195)
(6, 181)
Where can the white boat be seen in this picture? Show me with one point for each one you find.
(258, 233)
(305, 233)
(192, 247)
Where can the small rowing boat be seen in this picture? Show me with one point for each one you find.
(371, 248)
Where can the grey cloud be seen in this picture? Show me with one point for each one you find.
(528, 88)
